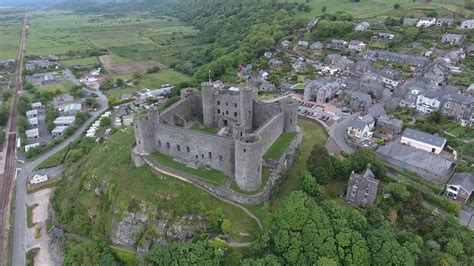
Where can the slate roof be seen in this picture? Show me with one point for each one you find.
(367, 119)
(424, 137)
(362, 96)
(385, 119)
(417, 158)
(376, 110)
(464, 180)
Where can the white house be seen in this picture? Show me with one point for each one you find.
(64, 120)
(32, 113)
(36, 179)
(33, 122)
(127, 120)
(423, 141)
(72, 108)
(363, 26)
(31, 146)
(357, 46)
(32, 134)
(58, 131)
(302, 44)
(426, 22)
(467, 24)
(36, 105)
(362, 127)
(428, 102)
(460, 187)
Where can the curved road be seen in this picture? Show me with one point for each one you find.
(338, 131)
(19, 243)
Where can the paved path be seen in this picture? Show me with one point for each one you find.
(338, 131)
(20, 243)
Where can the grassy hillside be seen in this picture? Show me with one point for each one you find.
(81, 211)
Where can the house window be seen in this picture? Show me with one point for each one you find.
(210, 155)
(139, 142)
(197, 157)
(178, 147)
(202, 156)
(168, 145)
(187, 149)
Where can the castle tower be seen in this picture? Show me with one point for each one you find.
(290, 109)
(238, 131)
(247, 96)
(208, 104)
(144, 133)
(248, 162)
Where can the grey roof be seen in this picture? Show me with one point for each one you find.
(367, 119)
(417, 158)
(385, 119)
(410, 21)
(358, 123)
(465, 180)
(461, 99)
(376, 110)
(360, 184)
(424, 137)
(362, 96)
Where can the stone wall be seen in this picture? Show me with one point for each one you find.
(186, 109)
(262, 112)
(271, 130)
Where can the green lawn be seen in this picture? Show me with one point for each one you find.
(280, 145)
(80, 61)
(265, 175)
(55, 160)
(63, 87)
(10, 34)
(199, 127)
(210, 175)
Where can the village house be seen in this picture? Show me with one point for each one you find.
(58, 131)
(321, 90)
(361, 127)
(72, 109)
(357, 46)
(362, 188)
(363, 26)
(286, 44)
(389, 124)
(450, 38)
(299, 65)
(426, 22)
(424, 141)
(127, 120)
(62, 100)
(383, 55)
(64, 120)
(460, 187)
(409, 21)
(33, 122)
(429, 101)
(459, 107)
(36, 105)
(316, 46)
(36, 179)
(274, 63)
(32, 134)
(359, 101)
(384, 36)
(32, 113)
(337, 44)
(31, 146)
(268, 55)
(445, 22)
(467, 24)
(302, 44)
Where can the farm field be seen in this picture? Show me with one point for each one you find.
(374, 8)
(10, 31)
(80, 61)
(63, 87)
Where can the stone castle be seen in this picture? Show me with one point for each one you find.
(246, 130)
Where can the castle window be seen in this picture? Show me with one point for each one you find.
(139, 142)
(226, 103)
(245, 150)
(178, 147)
(187, 149)
(218, 111)
(235, 114)
(202, 156)
(226, 112)
(235, 105)
(291, 121)
(159, 143)
(210, 155)
(168, 145)
(220, 158)
(218, 102)
(197, 157)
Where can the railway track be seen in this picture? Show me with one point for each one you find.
(10, 160)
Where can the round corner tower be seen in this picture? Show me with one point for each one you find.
(247, 96)
(290, 109)
(208, 104)
(248, 162)
(144, 134)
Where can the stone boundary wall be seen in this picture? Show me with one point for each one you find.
(277, 167)
(271, 130)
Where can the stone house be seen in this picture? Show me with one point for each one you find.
(445, 22)
(337, 44)
(459, 107)
(451, 38)
(316, 46)
(363, 26)
(428, 102)
(321, 90)
(302, 44)
(460, 187)
(359, 101)
(414, 60)
(409, 21)
(286, 44)
(361, 127)
(389, 124)
(274, 63)
(362, 188)
(467, 24)
(357, 46)
(384, 36)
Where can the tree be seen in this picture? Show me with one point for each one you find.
(455, 247)
(308, 184)
(119, 82)
(2, 135)
(136, 75)
(324, 9)
(362, 157)
(396, 6)
(105, 122)
(320, 164)
(189, 253)
(435, 117)
(4, 114)
(399, 191)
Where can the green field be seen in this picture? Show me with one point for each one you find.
(210, 175)
(63, 87)
(10, 33)
(374, 8)
(80, 61)
(279, 146)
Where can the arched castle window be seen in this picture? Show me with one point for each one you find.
(187, 149)
(178, 147)
(210, 155)
(226, 112)
(218, 102)
(218, 111)
(245, 150)
(159, 143)
(235, 114)
(235, 105)
(168, 145)
(220, 158)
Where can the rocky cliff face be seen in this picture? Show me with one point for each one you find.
(137, 231)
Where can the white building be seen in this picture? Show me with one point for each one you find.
(426, 22)
(58, 131)
(428, 102)
(362, 127)
(32, 113)
(36, 179)
(64, 120)
(302, 44)
(127, 120)
(467, 24)
(36, 105)
(31, 146)
(33, 122)
(32, 134)
(423, 141)
(72, 109)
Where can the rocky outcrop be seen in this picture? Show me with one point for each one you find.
(137, 231)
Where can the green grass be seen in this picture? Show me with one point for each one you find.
(30, 256)
(29, 215)
(125, 256)
(265, 175)
(10, 34)
(54, 160)
(312, 133)
(199, 127)
(63, 87)
(210, 175)
(280, 145)
(49, 224)
(80, 61)
(167, 197)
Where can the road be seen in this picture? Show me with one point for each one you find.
(338, 131)
(10, 161)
